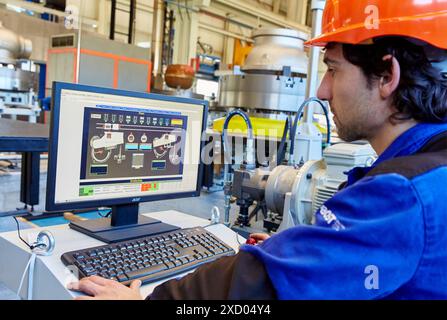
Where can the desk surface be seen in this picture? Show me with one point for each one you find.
(51, 276)
(21, 136)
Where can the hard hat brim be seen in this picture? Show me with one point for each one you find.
(425, 28)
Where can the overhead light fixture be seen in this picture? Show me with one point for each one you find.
(144, 44)
(19, 9)
(14, 8)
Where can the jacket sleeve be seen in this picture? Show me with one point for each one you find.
(237, 277)
(367, 243)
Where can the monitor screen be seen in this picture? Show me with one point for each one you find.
(110, 147)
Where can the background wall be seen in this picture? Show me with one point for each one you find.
(219, 21)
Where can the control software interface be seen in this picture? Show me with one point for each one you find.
(120, 147)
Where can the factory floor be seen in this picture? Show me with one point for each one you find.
(200, 207)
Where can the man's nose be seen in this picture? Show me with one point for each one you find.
(324, 91)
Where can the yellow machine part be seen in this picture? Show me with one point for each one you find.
(262, 127)
(241, 52)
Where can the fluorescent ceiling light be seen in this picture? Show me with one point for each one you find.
(14, 8)
(144, 44)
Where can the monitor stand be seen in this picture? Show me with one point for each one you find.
(125, 224)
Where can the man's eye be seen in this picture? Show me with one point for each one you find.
(331, 71)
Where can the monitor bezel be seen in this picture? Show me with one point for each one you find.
(50, 202)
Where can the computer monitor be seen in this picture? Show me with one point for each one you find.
(114, 148)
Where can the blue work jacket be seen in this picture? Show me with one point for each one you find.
(381, 237)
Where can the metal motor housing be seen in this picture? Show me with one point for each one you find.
(274, 76)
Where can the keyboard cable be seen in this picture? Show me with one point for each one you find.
(39, 247)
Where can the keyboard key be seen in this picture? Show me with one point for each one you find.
(78, 256)
(92, 253)
(122, 278)
(145, 272)
(177, 263)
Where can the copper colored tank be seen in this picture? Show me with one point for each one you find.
(179, 76)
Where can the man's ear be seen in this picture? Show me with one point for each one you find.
(390, 81)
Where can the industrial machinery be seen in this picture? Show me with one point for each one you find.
(268, 185)
(268, 88)
(271, 83)
(273, 79)
(18, 82)
(292, 189)
(291, 195)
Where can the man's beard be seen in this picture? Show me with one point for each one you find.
(351, 133)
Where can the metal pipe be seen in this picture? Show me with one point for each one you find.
(140, 7)
(158, 37)
(131, 21)
(251, 157)
(78, 54)
(317, 8)
(112, 20)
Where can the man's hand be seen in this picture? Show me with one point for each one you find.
(102, 289)
(259, 237)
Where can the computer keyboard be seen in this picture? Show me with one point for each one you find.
(149, 258)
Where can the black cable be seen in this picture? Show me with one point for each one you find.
(32, 247)
(224, 135)
(237, 239)
(300, 114)
(104, 215)
(282, 145)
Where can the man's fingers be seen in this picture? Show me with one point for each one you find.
(135, 285)
(99, 280)
(259, 236)
(86, 286)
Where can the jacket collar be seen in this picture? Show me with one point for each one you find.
(408, 143)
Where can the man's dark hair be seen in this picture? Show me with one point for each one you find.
(422, 91)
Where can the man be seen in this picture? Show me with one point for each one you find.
(384, 234)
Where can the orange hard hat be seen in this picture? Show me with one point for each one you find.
(359, 21)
